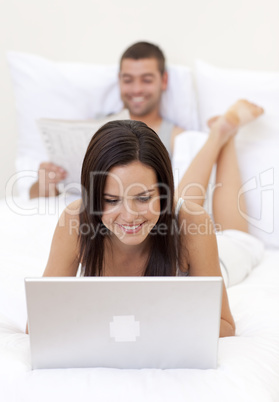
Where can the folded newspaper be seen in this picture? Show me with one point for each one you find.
(66, 142)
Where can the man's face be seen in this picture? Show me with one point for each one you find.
(141, 86)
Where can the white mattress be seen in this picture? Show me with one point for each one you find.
(248, 364)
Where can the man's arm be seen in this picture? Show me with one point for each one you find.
(49, 175)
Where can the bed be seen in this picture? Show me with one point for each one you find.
(248, 364)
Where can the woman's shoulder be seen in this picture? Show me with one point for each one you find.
(196, 233)
(64, 254)
(74, 206)
(191, 211)
(70, 214)
(193, 220)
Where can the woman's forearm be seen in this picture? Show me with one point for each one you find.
(226, 328)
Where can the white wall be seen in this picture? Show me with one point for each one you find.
(236, 33)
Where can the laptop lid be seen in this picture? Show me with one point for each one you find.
(124, 322)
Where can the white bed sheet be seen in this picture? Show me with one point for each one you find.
(248, 364)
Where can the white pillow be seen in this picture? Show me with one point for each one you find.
(49, 89)
(260, 181)
(257, 143)
(218, 88)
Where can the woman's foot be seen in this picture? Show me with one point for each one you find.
(243, 112)
(239, 114)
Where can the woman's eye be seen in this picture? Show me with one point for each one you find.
(111, 201)
(144, 199)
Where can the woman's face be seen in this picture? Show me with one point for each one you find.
(131, 202)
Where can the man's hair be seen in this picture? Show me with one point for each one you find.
(145, 50)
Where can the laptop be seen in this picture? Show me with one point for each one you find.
(124, 322)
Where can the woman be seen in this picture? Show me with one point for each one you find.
(126, 223)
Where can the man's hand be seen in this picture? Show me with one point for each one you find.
(49, 175)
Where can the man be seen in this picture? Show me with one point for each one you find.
(142, 80)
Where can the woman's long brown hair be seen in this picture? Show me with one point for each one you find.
(120, 143)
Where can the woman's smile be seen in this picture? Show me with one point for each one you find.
(131, 229)
(131, 202)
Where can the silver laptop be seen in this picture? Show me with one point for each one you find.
(131, 323)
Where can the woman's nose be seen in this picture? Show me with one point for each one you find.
(129, 211)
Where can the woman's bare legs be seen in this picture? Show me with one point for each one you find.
(220, 149)
(227, 206)
(194, 183)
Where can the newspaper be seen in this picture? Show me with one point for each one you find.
(66, 142)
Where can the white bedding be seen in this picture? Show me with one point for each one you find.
(248, 364)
